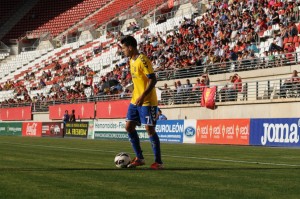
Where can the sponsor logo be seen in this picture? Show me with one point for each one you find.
(169, 128)
(54, 129)
(190, 131)
(280, 133)
(31, 129)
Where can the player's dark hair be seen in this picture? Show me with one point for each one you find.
(129, 41)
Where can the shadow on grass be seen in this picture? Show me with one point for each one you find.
(145, 169)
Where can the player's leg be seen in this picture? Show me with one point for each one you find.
(131, 123)
(148, 117)
(155, 144)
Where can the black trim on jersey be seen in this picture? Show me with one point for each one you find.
(151, 76)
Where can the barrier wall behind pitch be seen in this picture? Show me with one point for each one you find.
(281, 132)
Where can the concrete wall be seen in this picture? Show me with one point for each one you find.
(41, 117)
(264, 109)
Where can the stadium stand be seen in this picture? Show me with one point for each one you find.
(8, 9)
(229, 38)
(53, 17)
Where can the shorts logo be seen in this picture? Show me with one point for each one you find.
(153, 112)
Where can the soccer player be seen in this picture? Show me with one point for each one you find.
(143, 104)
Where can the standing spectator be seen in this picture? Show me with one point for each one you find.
(72, 116)
(198, 89)
(66, 119)
(179, 93)
(188, 86)
(161, 116)
(166, 94)
(237, 83)
(188, 98)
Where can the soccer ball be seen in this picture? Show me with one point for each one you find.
(122, 160)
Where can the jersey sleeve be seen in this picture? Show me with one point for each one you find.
(146, 66)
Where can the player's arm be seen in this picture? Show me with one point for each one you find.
(151, 85)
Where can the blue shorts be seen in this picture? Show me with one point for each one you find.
(142, 114)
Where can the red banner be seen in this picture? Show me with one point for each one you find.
(32, 129)
(52, 129)
(233, 131)
(82, 111)
(112, 109)
(208, 97)
(16, 114)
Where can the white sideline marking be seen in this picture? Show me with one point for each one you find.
(171, 156)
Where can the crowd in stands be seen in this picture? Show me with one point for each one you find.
(228, 32)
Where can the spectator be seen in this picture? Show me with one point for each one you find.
(237, 83)
(166, 94)
(66, 117)
(72, 116)
(42, 84)
(198, 89)
(276, 44)
(179, 93)
(252, 47)
(188, 87)
(205, 77)
(292, 84)
(160, 116)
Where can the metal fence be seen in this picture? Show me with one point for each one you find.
(230, 66)
(251, 92)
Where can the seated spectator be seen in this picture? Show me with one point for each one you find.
(252, 47)
(276, 44)
(26, 77)
(72, 62)
(42, 84)
(292, 84)
(293, 30)
(89, 81)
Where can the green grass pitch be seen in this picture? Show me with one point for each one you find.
(76, 168)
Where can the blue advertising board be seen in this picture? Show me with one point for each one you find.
(170, 130)
(283, 132)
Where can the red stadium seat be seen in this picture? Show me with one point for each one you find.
(285, 40)
(295, 39)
